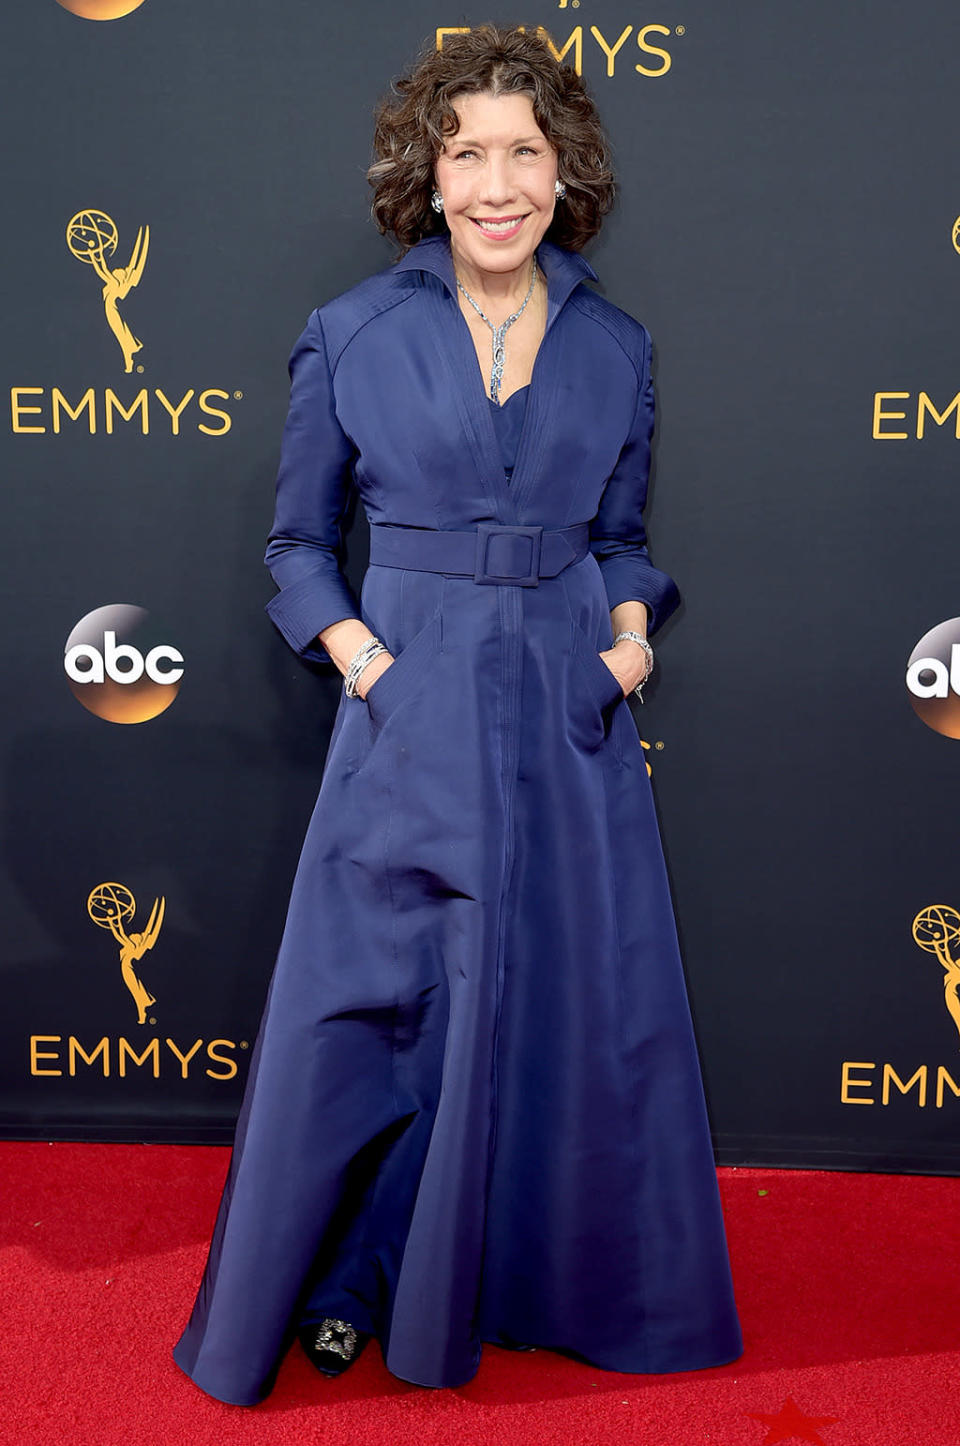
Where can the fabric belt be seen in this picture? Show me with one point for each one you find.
(489, 553)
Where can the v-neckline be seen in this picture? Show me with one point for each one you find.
(510, 487)
(499, 406)
(564, 272)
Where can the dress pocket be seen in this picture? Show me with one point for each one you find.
(404, 675)
(598, 693)
(604, 682)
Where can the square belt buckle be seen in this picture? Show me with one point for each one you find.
(514, 550)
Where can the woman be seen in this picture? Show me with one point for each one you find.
(474, 1110)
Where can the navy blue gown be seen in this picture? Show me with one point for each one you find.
(474, 1109)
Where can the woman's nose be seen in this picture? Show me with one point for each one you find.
(497, 187)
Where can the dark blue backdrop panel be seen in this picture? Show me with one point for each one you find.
(186, 184)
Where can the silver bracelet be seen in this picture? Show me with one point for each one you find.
(358, 662)
(364, 654)
(638, 638)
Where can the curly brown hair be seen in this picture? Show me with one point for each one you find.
(417, 118)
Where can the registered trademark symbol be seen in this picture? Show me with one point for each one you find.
(659, 745)
(243, 1044)
(680, 30)
(153, 1021)
(139, 366)
(575, 4)
(238, 396)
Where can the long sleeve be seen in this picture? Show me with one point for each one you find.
(304, 551)
(618, 539)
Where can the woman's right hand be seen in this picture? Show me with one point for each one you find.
(342, 639)
(372, 672)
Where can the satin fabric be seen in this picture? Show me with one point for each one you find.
(474, 1109)
(508, 425)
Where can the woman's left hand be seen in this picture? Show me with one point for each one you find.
(628, 663)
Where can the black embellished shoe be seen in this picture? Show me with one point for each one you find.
(331, 1344)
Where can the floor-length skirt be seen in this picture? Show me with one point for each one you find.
(474, 1110)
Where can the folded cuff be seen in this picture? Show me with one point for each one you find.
(627, 579)
(305, 607)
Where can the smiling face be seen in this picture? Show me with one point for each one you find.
(497, 177)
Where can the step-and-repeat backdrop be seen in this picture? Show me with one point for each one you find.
(185, 182)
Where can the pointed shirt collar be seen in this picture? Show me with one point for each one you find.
(564, 270)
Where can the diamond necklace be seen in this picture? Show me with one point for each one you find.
(499, 332)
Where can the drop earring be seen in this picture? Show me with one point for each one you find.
(560, 190)
(436, 201)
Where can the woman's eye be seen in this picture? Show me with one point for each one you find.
(469, 155)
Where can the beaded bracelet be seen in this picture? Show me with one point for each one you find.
(364, 654)
(638, 638)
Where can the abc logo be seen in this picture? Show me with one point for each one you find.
(100, 9)
(119, 668)
(933, 678)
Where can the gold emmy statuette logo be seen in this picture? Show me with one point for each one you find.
(92, 237)
(937, 929)
(127, 407)
(100, 9)
(955, 235)
(110, 906)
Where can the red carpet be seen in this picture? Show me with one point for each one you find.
(848, 1286)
